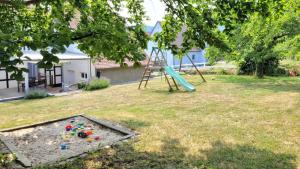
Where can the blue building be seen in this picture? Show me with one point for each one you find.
(197, 55)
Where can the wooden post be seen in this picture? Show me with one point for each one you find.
(180, 65)
(45, 77)
(50, 77)
(54, 72)
(7, 79)
(175, 83)
(168, 81)
(196, 68)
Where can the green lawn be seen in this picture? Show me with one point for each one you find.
(229, 122)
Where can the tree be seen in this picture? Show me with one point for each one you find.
(44, 25)
(290, 48)
(262, 41)
(102, 32)
(202, 19)
(252, 28)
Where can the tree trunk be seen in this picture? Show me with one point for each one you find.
(259, 70)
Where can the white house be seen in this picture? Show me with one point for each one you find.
(73, 67)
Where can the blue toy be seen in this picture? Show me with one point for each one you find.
(64, 146)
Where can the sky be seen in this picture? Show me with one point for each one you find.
(155, 10)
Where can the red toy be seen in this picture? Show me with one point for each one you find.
(97, 138)
(85, 133)
(68, 127)
(88, 132)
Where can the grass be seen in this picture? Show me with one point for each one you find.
(229, 122)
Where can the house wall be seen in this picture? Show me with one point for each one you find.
(122, 75)
(172, 60)
(12, 83)
(73, 70)
(168, 54)
(198, 58)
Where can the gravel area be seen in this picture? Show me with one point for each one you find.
(42, 144)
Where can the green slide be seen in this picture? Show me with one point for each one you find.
(186, 85)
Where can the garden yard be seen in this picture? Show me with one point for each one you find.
(229, 122)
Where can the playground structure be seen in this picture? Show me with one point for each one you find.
(160, 64)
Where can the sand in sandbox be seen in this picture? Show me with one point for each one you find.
(41, 144)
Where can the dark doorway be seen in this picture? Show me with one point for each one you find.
(54, 76)
(6, 77)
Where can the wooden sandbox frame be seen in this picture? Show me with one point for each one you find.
(25, 162)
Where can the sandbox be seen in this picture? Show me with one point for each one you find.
(58, 140)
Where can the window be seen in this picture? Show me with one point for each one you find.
(84, 75)
(193, 57)
(98, 74)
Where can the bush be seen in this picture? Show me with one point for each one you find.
(81, 85)
(36, 94)
(97, 84)
(218, 71)
(221, 72)
(6, 159)
(248, 66)
(280, 71)
(291, 66)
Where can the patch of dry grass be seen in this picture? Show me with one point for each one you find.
(229, 122)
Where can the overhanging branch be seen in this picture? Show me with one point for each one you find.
(29, 2)
(84, 36)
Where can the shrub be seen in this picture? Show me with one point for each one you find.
(218, 71)
(248, 66)
(36, 94)
(81, 85)
(97, 84)
(280, 71)
(207, 71)
(221, 72)
(6, 159)
(292, 67)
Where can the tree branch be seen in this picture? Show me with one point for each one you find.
(84, 36)
(280, 36)
(29, 2)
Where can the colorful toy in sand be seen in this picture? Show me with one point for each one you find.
(89, 140)
(81, 130)
(97, 138)
(85, 133)
(82, 134)
(68, 127)
(88, 132)
(66, 137)
(64, 146)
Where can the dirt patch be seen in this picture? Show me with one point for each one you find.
(47, 143)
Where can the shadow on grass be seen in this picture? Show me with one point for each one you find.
(275, 84)
(168, 92)
(246, 156)
(172, 155)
